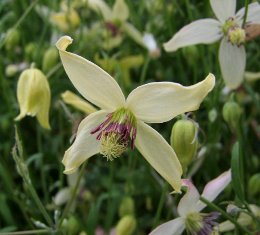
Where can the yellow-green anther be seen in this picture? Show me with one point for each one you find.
(33, 93)
(230, 23)
(231, 113)
(194, 222)
(237, 36)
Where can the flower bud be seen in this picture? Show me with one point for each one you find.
(126, 225)
(29, 51)
(12, 39)
(231, 113)
(33, 93)
(73, 226)
(11, 70)
(50, 59)
(126, 207)
(184, 141)
(254, 185)
(212, 115)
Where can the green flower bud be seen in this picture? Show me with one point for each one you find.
(126, 207)
(231, 113)
(50, 59)
(29, 51)
(212, 115)
(73, 226)
(33, 93)
(126, 225)
(11, 70)
(184, 141)
(12, 39)
(254, 185)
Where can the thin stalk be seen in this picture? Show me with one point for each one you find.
(224, 214)
(73, 195)
(246, 12)
(144, 70)
(28, 232)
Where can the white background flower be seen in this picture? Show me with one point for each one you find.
(232, 57)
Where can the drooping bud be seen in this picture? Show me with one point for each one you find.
(12, 39)
(184, 141)
(126, 225)
(127, 207)
(254, 185)
(116, 133)
(33, 93)
(231, 113)
(50, 59)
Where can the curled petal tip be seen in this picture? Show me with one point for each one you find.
(211, 80)
(63, 43)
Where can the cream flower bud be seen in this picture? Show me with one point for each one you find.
(33, 93)
(184, 141)
(50, 59)
(231, 113)
(126, 225)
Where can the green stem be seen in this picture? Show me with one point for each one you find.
(224, 214)
(27, 232)
(245, 15)
(144, 70)
(73, 195)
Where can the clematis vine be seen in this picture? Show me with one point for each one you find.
(121, 122)
(229, 29)
(189, 208)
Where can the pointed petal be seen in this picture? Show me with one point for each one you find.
(85, 144)
(173, 227)
(133, 33)
(214, 188)
(159, 154)
(253, 16)
(120, 10)
(190, 199)
(91, 81)
(161, 101)
(232, 61)
(223, 9)
(201, 31)
(100, 6)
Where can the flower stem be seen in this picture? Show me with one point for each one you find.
(224, 214)
(245, 15)
(73, 195)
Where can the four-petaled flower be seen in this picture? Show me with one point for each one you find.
(121, 122)
(229, 29)
(190, 206)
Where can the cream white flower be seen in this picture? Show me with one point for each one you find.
(190, 206)
(228, 29)
(121, 122)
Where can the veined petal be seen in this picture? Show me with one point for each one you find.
(214, 188)
(161, 101)
(223, 9)
(120, 10)
(200, 31)
(173, 227)
(190, 199)
(232, 61)
(159, 154)
(253, 16)
(91, 81)
(133, 33)
(100, 6)
(85, 144)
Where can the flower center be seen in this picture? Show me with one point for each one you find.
(235, 34)
(113, 27)
(116, 133)
(201, 223)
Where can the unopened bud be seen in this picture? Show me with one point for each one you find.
(73, 226)
(233, 209)
(50, 59)
(184, 141)
(33, 84)
(11, 70)
(254, 185)
(126, 225)
(12, 39)
(29, 51)
(231, 113)
(126, 207)
(212, 115)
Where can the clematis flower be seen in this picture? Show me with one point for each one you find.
(190, 206)
(121, 122)
(229, 29)
(116, 21)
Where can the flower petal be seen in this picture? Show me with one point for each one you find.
(223, 9)
(190, 199)
(100, 6)
(232, 61)
(120, 10)
(91, 81)
(214, 188)
(159, 154)
(161, 101)
(200, 31)
(253, 16)
(85, 144)
(173, 227)
(133, 33)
